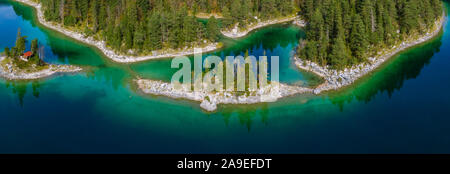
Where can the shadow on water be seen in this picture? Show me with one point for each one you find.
(390, 77)
(20, 88)
(245, 115)
(20, 10)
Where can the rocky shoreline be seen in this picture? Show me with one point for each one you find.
(209, 101)
(235, 33)
(335, 80)
(107, 51)
(208, 15)
(10, 73)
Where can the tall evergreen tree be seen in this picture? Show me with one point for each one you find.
(7, 52)
(212, 29)
(358, 39)
(20, 43)
(34, 46)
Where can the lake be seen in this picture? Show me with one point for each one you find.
(401, 108)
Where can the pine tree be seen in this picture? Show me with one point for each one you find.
(102, 15)
(139, 38)
(409, 16)
(34, 46)
(378, 35)
(308, 8)
(7, 52)
(188, 29)
(437, 6)
(390, 18)
(14, 54)
(84, 8)
(311, 50)
(339, 54)
(93, 15)
(339, 51)
(315, 26)
(227, 19)
(358, 39)
(154, 32)
(20, 43)
(236, 11)
(212, 29)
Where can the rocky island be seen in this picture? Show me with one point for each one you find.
(210, 100)
(16, 64)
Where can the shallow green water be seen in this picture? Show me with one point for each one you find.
(402, 108)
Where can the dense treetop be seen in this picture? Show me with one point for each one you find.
(345, 32)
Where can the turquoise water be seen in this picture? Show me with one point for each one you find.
(401, 108)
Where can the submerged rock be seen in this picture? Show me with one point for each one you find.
(208, 106)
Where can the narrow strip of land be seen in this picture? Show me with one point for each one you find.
(238, 33)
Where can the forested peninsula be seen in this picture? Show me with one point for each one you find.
(136, 30)
(347, 40)
(343, 33)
